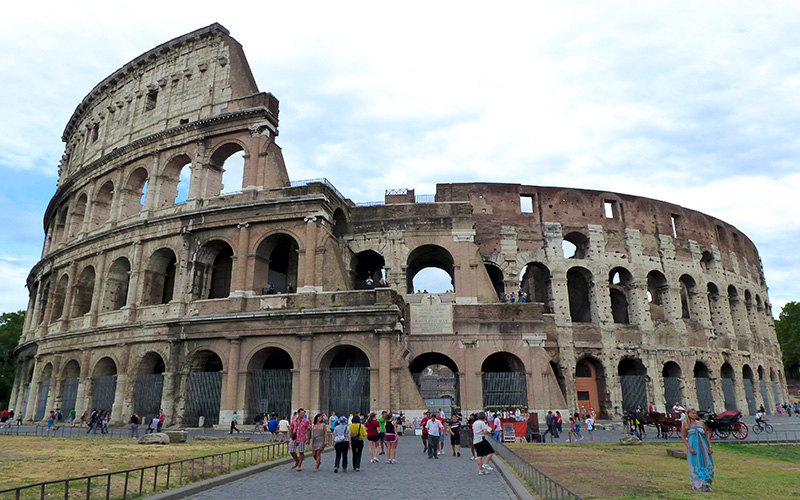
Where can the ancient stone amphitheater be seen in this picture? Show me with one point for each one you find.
(151, 294)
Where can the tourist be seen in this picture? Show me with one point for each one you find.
(341, 443)
(590, 427)
(133, 425)
(373, 435)
(72, 415)
(390, 437)
(578, 428)
(283, 430)
(559, 424)
(481, 446)
(424, 425)
(357, 433)
(571, 430)
(434, 426)
(441, 419)
(51, 420)
(454, 428)
(319, 439)
(161, 418)
(470, 422)
(498, 427)
(234, 421)
(698, 452)
(301, 435)
(272, 427)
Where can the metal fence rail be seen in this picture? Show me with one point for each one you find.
(543, 486)
(148, 480)
(120, 432)
(776, 437)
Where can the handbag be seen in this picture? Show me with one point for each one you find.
(294, 436)
(357, 436)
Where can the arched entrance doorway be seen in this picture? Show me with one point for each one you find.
(69, 396)
(104, 384)
(436, 376)
(702, 383)
(633, 381)
(345, 381)
(149, 386)
(203, 390)
(368, 265)
(269, 383)
(726, 372)
(44, 391)
(504, 382)
(672, 383)
(749, 391)
(762, 384)
(276, 265)
(589, 385)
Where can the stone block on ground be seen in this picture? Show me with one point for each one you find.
(176, 436)
(154, 438)
(677, 453)
(205, 438)
(629, 441)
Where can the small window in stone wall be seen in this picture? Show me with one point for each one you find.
(676, 223)
(150, 103)
(583, 395)
(95, 132)
(610, 209)
(526, 203)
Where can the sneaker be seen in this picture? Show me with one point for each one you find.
(482, 472)
(389, 461)
(473, 458)
(335, 471)
(454, 453)
(357, 469)
(459, 453)
(381, 453)
(486, 467)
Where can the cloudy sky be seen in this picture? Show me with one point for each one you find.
(691, 102)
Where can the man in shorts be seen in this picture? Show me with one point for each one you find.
(482, 447)
(301, 436)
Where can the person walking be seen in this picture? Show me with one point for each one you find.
(357, 433)
(482, 447)
(391, 439)
(319, 439)
(424, 424)
(698, 452)
(454, 428)
(283, 430)
(373, 436)
(234, 421)
(133, 425)
(341, 443)
(435, 428)
(590, 426)
(301, 435)
(498, 427)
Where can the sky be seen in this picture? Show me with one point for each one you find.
(691, 102)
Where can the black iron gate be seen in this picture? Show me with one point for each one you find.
(504, 390)
(672, 390)
(730, 394)
(346, 390)
(105, 388)
(269, 390)
(778, 398)
(147, 400)
(764, 396)
(41, 402)
(634, 392)
(203, 393)
(750, 396)
(70, 395)
(704, 398)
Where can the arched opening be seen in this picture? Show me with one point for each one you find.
(58, 298)
(536, 283)
(149, 386)
(575, 246)
(213, 269)
(345, 381)
(117, 285)
(633, 381)
(61, 224)
(83, 292)
(496, 277)
(555, 372)
(436, 376)
(590, 385)
(69, 394)
(133, 195)
(579, 289)
(101, 204)
(504, 382)
(657, 295)
(671, 374)
(688, 292)
(702, 381)
(203, 390)
(269, 383)
(749, 388)
(620, 281)
(707, 262)
(78, 216)
(104, 384)
(368, 270)
(774, 381)
(159, 277)
(727, 374)
(276, 265)
(762, 383)
(42, 307)
(44, 391)
(340, 226)
(174, 182)
(431, 268)
(229, 162)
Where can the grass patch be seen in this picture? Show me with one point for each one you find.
(30, 460)
(611, 471)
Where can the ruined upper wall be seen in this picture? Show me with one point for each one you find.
(198, 75)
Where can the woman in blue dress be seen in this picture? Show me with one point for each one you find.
(698, 452)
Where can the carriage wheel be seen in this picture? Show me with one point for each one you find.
(740, 430)
(723, 434)
(673, 432)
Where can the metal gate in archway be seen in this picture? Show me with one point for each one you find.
(203, 393)
(750, 396)
(730, 394)
(41, 402)
(634, 392)
(70, 395)
(346, 390)
(147, 399)
(504, 390)
(775, 392)
(764, 396)
(105, 388)
(672, 390)
(269, 390)
(704, 398)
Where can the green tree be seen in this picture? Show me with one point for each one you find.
(787, 327)
(10, 331)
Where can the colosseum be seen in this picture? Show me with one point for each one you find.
(274, 294)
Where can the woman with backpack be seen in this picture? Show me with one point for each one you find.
(357, 433)
(341, 443)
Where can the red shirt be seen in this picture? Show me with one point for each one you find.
(301, 427)
(373, 427)
(424, 427)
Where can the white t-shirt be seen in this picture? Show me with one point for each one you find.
(682, 418)
(759, 416)
(434, 427)
(498, 425)
(283, 425)
(480, 429)
(589, 424)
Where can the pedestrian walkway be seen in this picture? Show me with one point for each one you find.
(413, 477)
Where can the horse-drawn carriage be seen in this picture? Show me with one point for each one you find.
(725, 424)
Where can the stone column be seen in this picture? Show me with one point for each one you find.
(239, 285)
(135, 294)
(305, 370)
(230, 401)
(310, 265)
(384, 366)
(82, 402)
(99, 289)
(30, 411)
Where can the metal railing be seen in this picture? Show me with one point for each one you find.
(543, 486)
(147, 480)
(425, 198)
(321, 180)
(775, 437)
(122, 432)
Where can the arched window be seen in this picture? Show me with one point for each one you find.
(431, 268)
(213, 269)
(581, 295)
(133, 194)
(159, 277)
(58, 298)
(688, 293)
(504, 382)
(620, 281)
(575, 246)
(78, 216)
(276, 265)
(496, 277)
(368, 269)
(117, 285)
(173, 187)
(633, 379)
(536, 283)
(227, 172)
(83, 292)
(657, 294)
(436, 376)
(101, 204)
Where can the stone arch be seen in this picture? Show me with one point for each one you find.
(437, 379)
(345, 381)
(174, 183)
(633, 381)
(429, 256)
(149, 386)
(101, 204)
(590, 384)
(62, 217)
(762, 384)
(340, 224)
(58, 298)
(269, 382)
(276, 264)
(620, 283)
(368, 269)
(575, 245)
(748, 380)
(702, 380)
(104, 384)
(727, 375)
(504, 381)
(671, 374)
(707, 261)
(159, 277)
(83, 292)
(657, 295)
(580, 288)
(78, 215)
(203, 388)
(688, 295)
(226, 166)
(116, 287)
(44, 391)
(213, 270)
(70, 375)
(496, 277)
(132, 200)
(558, 376)
(537, 282)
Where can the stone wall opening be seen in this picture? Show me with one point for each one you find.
(590, 386)
(104, 384)
(69, 392)
(671, 373)
(213, 270)
(437, 379)
(276, 265)
(430, 257)
(58, 298)
(226, 174)
(101, 205)
(620, 282)
(83, 292)
(496, 277)
(149, 386)
(702, 381)
(633, 380)
(345, 382)
(726, 372)
(159, 277)
(504, 382)
(133, 194)
(749, 388)
(269, 383)
(657, 295)
(581, 295)
(536, 282)
(117, 279)
(203, 390)
(368, 269)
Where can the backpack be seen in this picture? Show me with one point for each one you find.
(340, 433)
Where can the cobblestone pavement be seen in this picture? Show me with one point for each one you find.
(413, 477)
